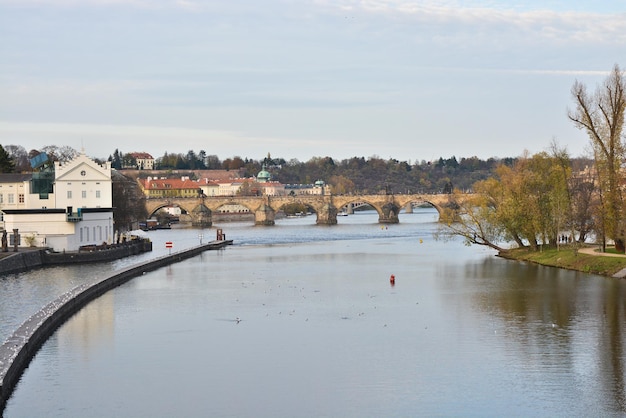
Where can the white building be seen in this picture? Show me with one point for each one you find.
(144, 160)
(62, 209)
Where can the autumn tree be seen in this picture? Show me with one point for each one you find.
(525, 203)
(474, 218)
(601, 115)
(341, 185)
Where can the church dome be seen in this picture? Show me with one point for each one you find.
(263, 176)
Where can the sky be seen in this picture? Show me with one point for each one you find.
(404, 79)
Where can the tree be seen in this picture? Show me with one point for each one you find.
(128, 161)
(19, 156)
(129, 202)
(524, 203)
(7, 165)
(116, 160)
(341, 185)
(61, 154)
(601, 115)
(473, 219)
(213, 162)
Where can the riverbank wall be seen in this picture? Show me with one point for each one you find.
(23, 344)
(29, 259)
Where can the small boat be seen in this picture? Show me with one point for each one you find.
(342, 213)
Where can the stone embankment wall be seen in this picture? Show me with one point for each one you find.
(19, 348)
(21, 261)
(30, 259)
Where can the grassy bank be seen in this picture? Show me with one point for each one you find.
(569, 258)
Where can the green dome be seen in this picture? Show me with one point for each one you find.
(263, 176)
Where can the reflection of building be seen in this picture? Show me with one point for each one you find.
(62, 207)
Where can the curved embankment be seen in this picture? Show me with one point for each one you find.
(19, 348)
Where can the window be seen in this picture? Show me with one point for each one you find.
(69, 194)
(11, 198)
(20, 198)
(84, 194)
(81, 234)
(97, 194)
(1, 198)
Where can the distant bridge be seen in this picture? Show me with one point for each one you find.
(326, 207)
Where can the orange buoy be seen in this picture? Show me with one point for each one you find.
(392, 279)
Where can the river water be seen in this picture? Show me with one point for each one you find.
(299, 320)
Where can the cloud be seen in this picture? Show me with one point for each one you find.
(557, 25)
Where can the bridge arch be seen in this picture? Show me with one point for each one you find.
(326, 207)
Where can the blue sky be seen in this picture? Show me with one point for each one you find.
(411, 80)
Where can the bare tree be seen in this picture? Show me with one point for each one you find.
(62, 154)
(129, 203)
(601, 115)
(20, 157)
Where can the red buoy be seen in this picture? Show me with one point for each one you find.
(392, 279)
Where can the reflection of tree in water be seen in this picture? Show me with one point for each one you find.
(612, 341)
(553, 313)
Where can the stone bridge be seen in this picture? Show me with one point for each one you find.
(326, 207)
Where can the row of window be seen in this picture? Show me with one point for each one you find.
(11, 198)
(83, 194)
(85, 236)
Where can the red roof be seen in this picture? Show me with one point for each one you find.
(141, 155)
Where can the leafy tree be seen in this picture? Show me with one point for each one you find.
(341, 185)
(524, 203)
(601, 115)
(474, 219)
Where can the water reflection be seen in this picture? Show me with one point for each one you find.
(322, 333)
(550, 314)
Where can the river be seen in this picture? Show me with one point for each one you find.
(299, 320)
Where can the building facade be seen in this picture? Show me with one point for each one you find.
(144, 160)
(63, 208)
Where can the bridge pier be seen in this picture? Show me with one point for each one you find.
(350, 208)
(389, 214)
(201, 217)
(327, 215)
(408, 208)
(264, 215)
